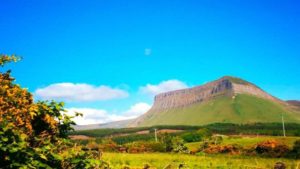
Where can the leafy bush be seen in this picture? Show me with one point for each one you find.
(191, 137)
(166, 139)
(109, 146)
(142, 146)
(224, 149)
(194, 136)
(178, 145)
(34, 135)
(272, 148)
(295, 153)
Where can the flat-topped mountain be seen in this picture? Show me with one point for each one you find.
(227, 99)
(227, 85)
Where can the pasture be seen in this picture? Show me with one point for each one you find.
(173, 161)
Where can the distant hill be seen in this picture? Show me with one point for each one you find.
(115, 124)
(228, 99)
(295, 103)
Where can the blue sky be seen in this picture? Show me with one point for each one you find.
(129, 50)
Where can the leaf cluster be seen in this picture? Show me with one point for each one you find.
(35, 135)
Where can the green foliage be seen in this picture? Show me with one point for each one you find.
(14, 149)
(104, 132)
(178, 145)
(167, 141)
(254, 128)
(204, 132)
(109, 145)
(222, 149)
(116, 131)
(198, 135)
(144, 146)
(296, 149)
(191, 137)
(34, 135)
(157, 147)
(220, 128)
(204, 145)
(132, 138)
(4, 59)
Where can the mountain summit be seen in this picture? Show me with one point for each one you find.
(228, 99)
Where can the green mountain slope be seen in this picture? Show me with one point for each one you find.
(242, 108)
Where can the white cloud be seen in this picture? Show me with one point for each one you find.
(163, 86)
(137, 109)
(79, 92)
(148, 51)
(96, 116)
(93, 116)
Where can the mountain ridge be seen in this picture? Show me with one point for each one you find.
(227, 87)
(114, 124)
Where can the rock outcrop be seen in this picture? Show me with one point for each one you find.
(185, 97)
(225, 86)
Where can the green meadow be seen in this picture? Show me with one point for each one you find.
(173, 161)
(248, 141)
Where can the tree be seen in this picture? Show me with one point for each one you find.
(204, 133)
(167, 140)
(191, 137)
(34, 135)
(178, 145)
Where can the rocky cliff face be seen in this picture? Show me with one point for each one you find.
(252, 90)
(185, 97)
(225, 86)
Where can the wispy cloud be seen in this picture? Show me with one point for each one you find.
(164, 86)
(79, 92)
(95, 116)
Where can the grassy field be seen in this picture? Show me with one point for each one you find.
(247, 141)
(165, 160)
(242, 109)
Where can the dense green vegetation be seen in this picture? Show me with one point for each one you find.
(132, 138)
(242, 108)
(275, 129)
(205, 149)
(248, 141)
(201, 141)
